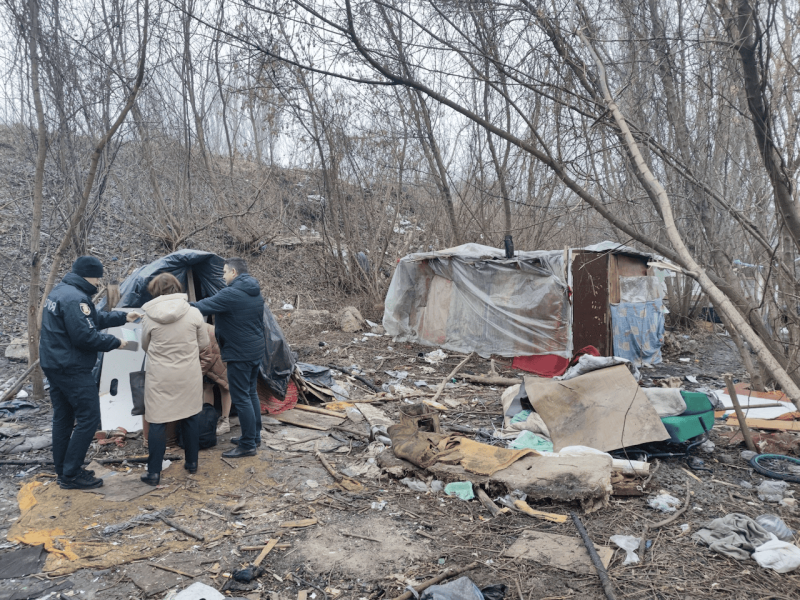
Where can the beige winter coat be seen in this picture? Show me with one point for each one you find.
(173, 334)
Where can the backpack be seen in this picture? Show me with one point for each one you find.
(208, 428)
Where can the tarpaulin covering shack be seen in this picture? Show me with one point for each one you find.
(472, 298)
(543, 304)
(200, 274)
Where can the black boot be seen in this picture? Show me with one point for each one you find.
(235, 440)
(239, 453)
(191, 467)
(151, 478)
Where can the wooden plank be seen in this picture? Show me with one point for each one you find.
(309, 420)
(766, 424)
(299, 523)
(266, 550)
(321, 411)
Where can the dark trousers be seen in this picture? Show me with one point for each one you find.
(157, 442)
(76, 418)
(242, 381)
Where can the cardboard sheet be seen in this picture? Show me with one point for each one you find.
(604, 409)
(559, 551)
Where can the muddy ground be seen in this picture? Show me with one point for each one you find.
(360, 547)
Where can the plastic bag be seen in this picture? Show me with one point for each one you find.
(779, 556)
(494, 592)
(774, 524)
(415, 484)
(630, 544)
(772, 491)
(664, 503)
(460, 489)
(460, 589)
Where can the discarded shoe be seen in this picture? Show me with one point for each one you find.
(82, 481)
(235, 440)
(191, 467)
(239, 453)
(151, 478)
(224, 426)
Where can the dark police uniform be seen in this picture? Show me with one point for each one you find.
(69, 343)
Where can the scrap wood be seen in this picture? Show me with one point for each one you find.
(490, 505)
(259, 548)
(265, 550)
(491, 380)
(182, 529)
(12, 391)
(739, 414)
(347, 483)
(523, 506)
(440, 389)
(211, 512)
(667, 521)
(360, 537)
(439, 578)
(321, 411)
(766, 424)
(171, 570)
(299, 523)
(690, 474)
(598, 564)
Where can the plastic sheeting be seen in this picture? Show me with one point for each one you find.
(638, 331)
(278, 362)
(471, 298)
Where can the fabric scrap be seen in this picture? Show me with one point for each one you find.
(735, 535)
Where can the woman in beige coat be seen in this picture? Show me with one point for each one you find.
(173, 334)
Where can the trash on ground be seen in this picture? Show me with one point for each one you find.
(630, 544)
(459, 589)
(735, 535)
(460, 489)
(772, 491)
(24, 561)
(526, 439)
(665, 503)
(607, 411)
(560, 551)
(775, 525)
(779, 556)
(197, 591)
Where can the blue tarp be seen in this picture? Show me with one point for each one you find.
(638, 329)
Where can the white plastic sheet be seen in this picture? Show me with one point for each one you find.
(471, 298)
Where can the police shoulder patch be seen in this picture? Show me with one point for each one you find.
(85, 309)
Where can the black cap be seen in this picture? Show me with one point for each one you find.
(87, 266)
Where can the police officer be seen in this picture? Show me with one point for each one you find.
(69, 343)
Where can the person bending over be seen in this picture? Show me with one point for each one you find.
(239, 320)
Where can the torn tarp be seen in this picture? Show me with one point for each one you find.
(638, 331)
(472, 298)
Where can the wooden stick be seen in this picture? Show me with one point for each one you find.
(171, 570)
(608, 589)
(773, 424)
(212, 513)
(667, 521)
(450, 376)
(259, 548)
(182, 529)
(490, 505)
(439, 578)
(265, 550)
(229, 463)
(524, 507)
(739, 414)
(300, 523)
(337, 476)
(491, 380)
(360, 537)
(321, 411)
(690, 474)
(12, 391)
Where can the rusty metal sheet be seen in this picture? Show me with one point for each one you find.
(590, 309)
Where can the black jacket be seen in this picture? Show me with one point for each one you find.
(239, 323)
(71, 337)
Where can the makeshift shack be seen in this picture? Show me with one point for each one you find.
(541, 304)
(200, 274)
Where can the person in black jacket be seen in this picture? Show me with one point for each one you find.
(68, 345)
(239, 329)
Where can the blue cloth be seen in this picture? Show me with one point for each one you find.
(76, 417)
(71, 337)
(242, 381)
(239, 323)
(638, 331)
